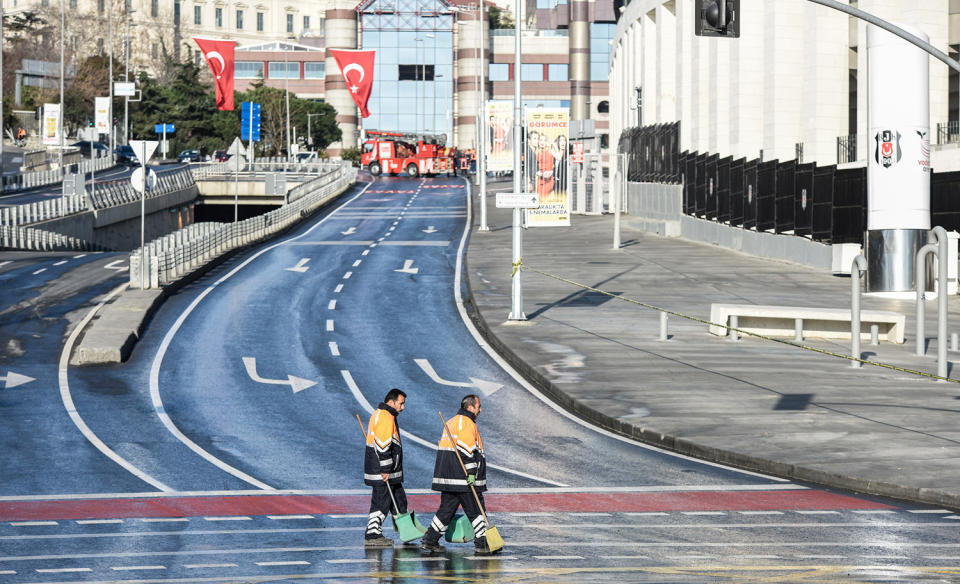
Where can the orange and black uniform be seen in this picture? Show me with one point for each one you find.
(449, 479)
(383, 455)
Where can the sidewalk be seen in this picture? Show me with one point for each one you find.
(754, 404)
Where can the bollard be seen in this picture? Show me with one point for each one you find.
(663, 326)
(940, 249)
(732, 331)
(798, 329)
(874, 334)
(857, 269)
(954, 341)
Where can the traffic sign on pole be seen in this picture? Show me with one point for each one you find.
(250, 121)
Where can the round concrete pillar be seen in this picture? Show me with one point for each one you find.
(341, 33)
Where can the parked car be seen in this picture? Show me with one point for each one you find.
(306, 156)
(189, 156)
(85, 146)
(221, 156)
(126, 155)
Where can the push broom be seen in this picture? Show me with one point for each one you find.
(408, 528)
(494, 541)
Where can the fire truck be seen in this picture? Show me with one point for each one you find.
(410, 154)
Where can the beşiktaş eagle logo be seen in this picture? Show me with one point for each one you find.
(888, 148)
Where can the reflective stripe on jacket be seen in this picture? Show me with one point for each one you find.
(384, 452)
(448, 475)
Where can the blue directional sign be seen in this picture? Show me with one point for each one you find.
(250, 121)
(161, 128)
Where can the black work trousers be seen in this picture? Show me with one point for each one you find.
(450, 501)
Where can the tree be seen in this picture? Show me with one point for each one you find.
(273, 118)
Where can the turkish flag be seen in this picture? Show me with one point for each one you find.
(219, 56)
(357, 70)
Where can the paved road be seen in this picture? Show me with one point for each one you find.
(191, 461)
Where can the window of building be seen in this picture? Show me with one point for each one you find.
(259, 22)
(218, 17)
(531, 72)
(73, 4)
(197, 15)
(154, 50)
(558, 72)
(415, 72)
(289, 23)
(314, 70)
(601, 33)
(239, 19)
(604, 141)
(498, 72)
(100, 45)
(277, 69)
(45, 3)
(248, 69)
(154, 8)
(176, 12)
(196, 58)
(306, 23)
(603, 107)
(100, 5)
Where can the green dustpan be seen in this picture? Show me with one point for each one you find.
(460, 530)
(408, 527)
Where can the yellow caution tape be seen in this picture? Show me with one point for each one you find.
(741, 331)
(516, 267)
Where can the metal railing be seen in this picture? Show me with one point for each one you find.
(165, 260)
(948, 133)
(846, 149)
(12, 237)
(29, 180)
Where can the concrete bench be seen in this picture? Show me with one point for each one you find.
(800, 321)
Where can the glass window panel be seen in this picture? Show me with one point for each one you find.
(277, 70)
(408, 55)
(248, 69)
(531, 72)
(197, 14)
(259, 22)
(314, 70)
(371, 39)
(390, 106)
(598, 71)
(499, 72)
(389, 121)
(390, 88)
(389, 39)
(405, 39)
(239, 19)
(558, 72)
(389, 73)
(388, 55)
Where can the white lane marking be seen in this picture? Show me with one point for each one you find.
(196, 566)
(358, 395)
(329, 325)
(13, 379)
(374, 244)
(818, 512)
(349, 231)
(4, 263)
(348, 515)
(62, 570)
(408, 268)
(332, 305)
(67, 399)
(478, 338)
(168, 339)
(60, 263)
(98, 521)
(365, 252)
(338, 289)
(117, 266)
(558, 557)
(237, 518)
(39, 271)
(389, 230)
(283, 517)
(128, 568)
(32, 523)
(297, 384)
(357, 263)
(928, 511)
(760, 512)
(77, 257)
(289, 563)
(485, 387)
(703, 513)
(334, 348)
(7, 572)
(165, 519)
(822, 557)
(354, 561)
(422, 559)
(645, 514)
(586, 514)
(874, 511)
(624, 557)
(347, 275)
(300, 267)
(380, 239)
(430, 229)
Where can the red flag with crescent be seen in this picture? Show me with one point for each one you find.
(219, 57)
(357, 70)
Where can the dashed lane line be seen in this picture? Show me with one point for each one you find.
(288, 517)
(39, 271)
(332, 305)
(357, 263)
(164, 519)
(928, 511)
(98, 521)
(132, 568)
(347, 275)
(558, 557)
(230, 518)
(32, 523)
(329, 325)
(338, 289)
(60, 263)
(201, 566)
(62, 570)
(287, 563)
(334, 348)
(354, 561)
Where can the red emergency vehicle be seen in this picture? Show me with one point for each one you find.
(414, 155)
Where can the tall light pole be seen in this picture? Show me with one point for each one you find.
(286, 91)
(110, 140)
(516, 305)
(63, 28)
(1, 95)
(126, 70)
(482, 123)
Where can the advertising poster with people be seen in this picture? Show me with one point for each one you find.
(51, 124)
(545, 160)
(499, 136)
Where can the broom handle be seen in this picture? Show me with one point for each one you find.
(389, 490)
(460, 460)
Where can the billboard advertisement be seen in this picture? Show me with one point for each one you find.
(51, 124)
(545, 160)
(499, 136)
(101, 119)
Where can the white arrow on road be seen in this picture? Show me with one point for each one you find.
(407, 269)
(300, 267)
(14, 379)
(118, 265)
(483, 386)
(297, 383)
(349, 231)
(429, 229)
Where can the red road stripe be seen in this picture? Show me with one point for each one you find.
(313, 504)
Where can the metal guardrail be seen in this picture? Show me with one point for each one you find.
(948, 133)
(165, 260)
(846, 149)
(29, 180)
(316, 166)
(12, 237)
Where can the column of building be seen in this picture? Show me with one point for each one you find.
(825, 83)
(747, 83)
(469, 73)
(341, 33)
(783, 78)
(579, 51)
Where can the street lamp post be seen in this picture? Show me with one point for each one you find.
(516, 305)
(126, 71)
(111, 139)
(286, 91)
(1, 95)
(63, 28)
(482, 124)
(309, 135)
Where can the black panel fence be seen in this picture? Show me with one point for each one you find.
(823, 203)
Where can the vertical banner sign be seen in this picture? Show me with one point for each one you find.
(219, 56)
(546, 160)
(101, 117)
(357, 70)
(500, 138)
(51, 119)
